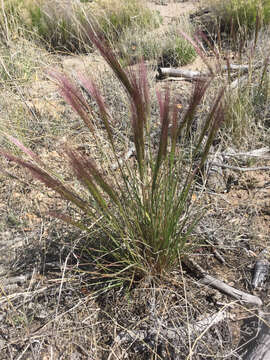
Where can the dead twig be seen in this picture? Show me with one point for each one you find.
(206, 279)
(217, 255)
(22, 352)
(229, 290)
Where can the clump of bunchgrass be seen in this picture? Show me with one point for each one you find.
(241, 17)
(115, 17)
(62, 33)
(247, 102)
(248, 110)
(176, 51)
(142, 209)
(60, 26)
(18, 61)
(238, 115)
(57, 26)
(168, 47)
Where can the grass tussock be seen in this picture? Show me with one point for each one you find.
(61, 26)
(167, 48)
(115, 17)
(127, 187)
(247, 112)
(242, 16)
(146, 209)
(177, 51)
(19, 63)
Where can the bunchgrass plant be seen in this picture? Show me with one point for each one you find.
(116, 17)
(247, 106)
(143, 206)
(241, 16)
(59, 26)
(169, 48)
(55, 26)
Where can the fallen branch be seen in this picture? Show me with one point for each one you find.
(262, 153)
(190, 74)
(234, 67)
(162, 333)
(193, 75)
(187, 74)
(229, 290)
(206, 279)
(241, 168)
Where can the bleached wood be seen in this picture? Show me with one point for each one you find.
(209, 280)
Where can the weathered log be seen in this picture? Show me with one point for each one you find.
(235, 67)
(192, 75)
(187, 74)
